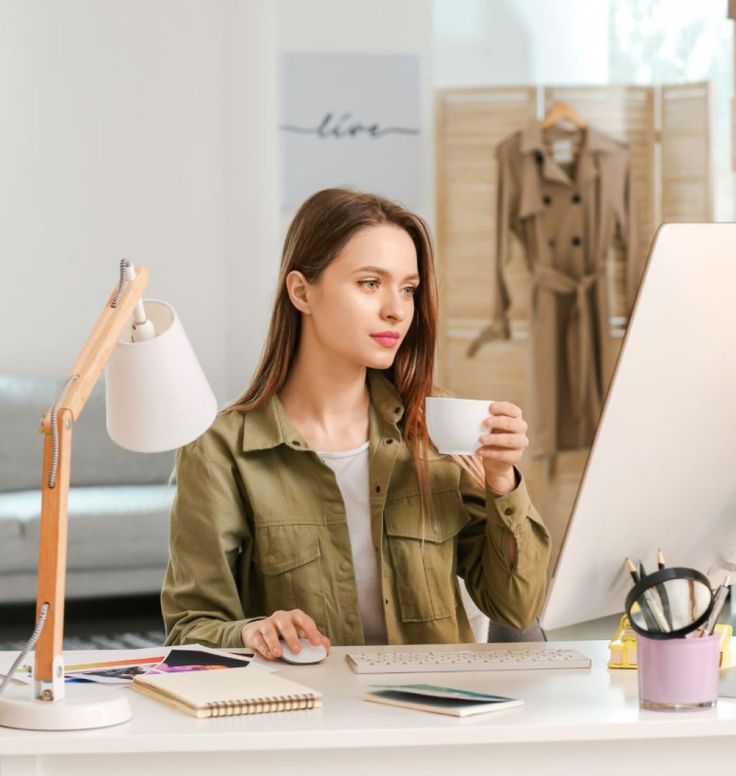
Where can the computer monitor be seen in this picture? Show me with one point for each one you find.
(662, 468)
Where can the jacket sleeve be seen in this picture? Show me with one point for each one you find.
(499, 327)
(200, 600)
(509, 592)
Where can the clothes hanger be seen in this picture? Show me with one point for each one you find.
(561, 112)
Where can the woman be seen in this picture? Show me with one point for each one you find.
(315, 506)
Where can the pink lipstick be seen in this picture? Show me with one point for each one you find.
(388, 339)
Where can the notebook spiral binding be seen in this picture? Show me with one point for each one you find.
(262, 705)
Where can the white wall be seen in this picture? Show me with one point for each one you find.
(133, 129)
(483, 42)
(250, 158)
(146, 129)
(380, 26)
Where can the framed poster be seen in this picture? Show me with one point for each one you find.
(350, 120)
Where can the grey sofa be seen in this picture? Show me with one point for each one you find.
(119, 501)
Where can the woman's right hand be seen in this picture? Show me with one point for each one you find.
(263, 635)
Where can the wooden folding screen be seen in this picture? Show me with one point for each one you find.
(470, 124)
(668, 133)
(687, 183)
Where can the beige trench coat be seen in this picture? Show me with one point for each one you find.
(566, 218)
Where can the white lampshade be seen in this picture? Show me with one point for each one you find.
(157, 395)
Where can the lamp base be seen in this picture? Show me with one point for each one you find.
(83, 708)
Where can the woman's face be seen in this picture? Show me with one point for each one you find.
(363, 303)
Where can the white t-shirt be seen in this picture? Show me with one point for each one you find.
(352, 475)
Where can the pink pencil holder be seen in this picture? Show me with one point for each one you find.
(678, 674)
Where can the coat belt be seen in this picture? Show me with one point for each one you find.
(551, 279)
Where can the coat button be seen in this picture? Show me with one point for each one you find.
(547, 199)
(576, 199)
(576, 240)
(397, 410)
(296, 443)
(538, 157)
(508, 511)
(345, 566)
(378, 488)
(389, 441)
(551, 243)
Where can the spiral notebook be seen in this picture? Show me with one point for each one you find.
(227, 692)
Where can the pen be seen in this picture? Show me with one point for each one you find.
(715, 613)
(660, 620)
(664, 597)
(660, 559)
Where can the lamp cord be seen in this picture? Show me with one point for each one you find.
(28, 647)
(124, 264)
(55, 431)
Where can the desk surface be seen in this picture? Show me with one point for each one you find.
(559, 706)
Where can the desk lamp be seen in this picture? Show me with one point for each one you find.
(157, 399)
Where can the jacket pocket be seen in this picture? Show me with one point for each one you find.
(423, 559)
(290, 562)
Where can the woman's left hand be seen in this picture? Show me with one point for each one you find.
(503, 446)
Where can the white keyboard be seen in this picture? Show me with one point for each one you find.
(485, 658)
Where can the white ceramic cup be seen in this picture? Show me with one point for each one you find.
(456, 425)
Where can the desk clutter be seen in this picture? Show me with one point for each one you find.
(122, 671)
(440, 700)
(673, 612)
(227, 693)
(622, 647)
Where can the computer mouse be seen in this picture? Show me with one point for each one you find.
(307, 654)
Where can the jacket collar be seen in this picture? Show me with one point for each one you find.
(269, 426)
(593, 143)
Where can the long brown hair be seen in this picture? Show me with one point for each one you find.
(321, 228)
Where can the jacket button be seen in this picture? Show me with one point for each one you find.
(389, 441)
(538, 157)
(508, 511)
(547, 199)
(397, 410)
(378, 488)
(296, 443)
(576, 199)
(551, 243)
(345, 566)
(576, 240)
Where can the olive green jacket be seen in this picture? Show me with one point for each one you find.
(259, 524)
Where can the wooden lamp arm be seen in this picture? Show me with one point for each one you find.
(48, 667)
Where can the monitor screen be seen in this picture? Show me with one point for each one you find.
(662, 468)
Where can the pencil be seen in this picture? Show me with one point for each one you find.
(660, 560)
(632, 570)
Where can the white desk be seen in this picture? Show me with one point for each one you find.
(572, 722)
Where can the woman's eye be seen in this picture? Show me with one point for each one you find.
(368, 283)
(410, 290)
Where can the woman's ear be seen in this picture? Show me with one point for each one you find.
(297, 287)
